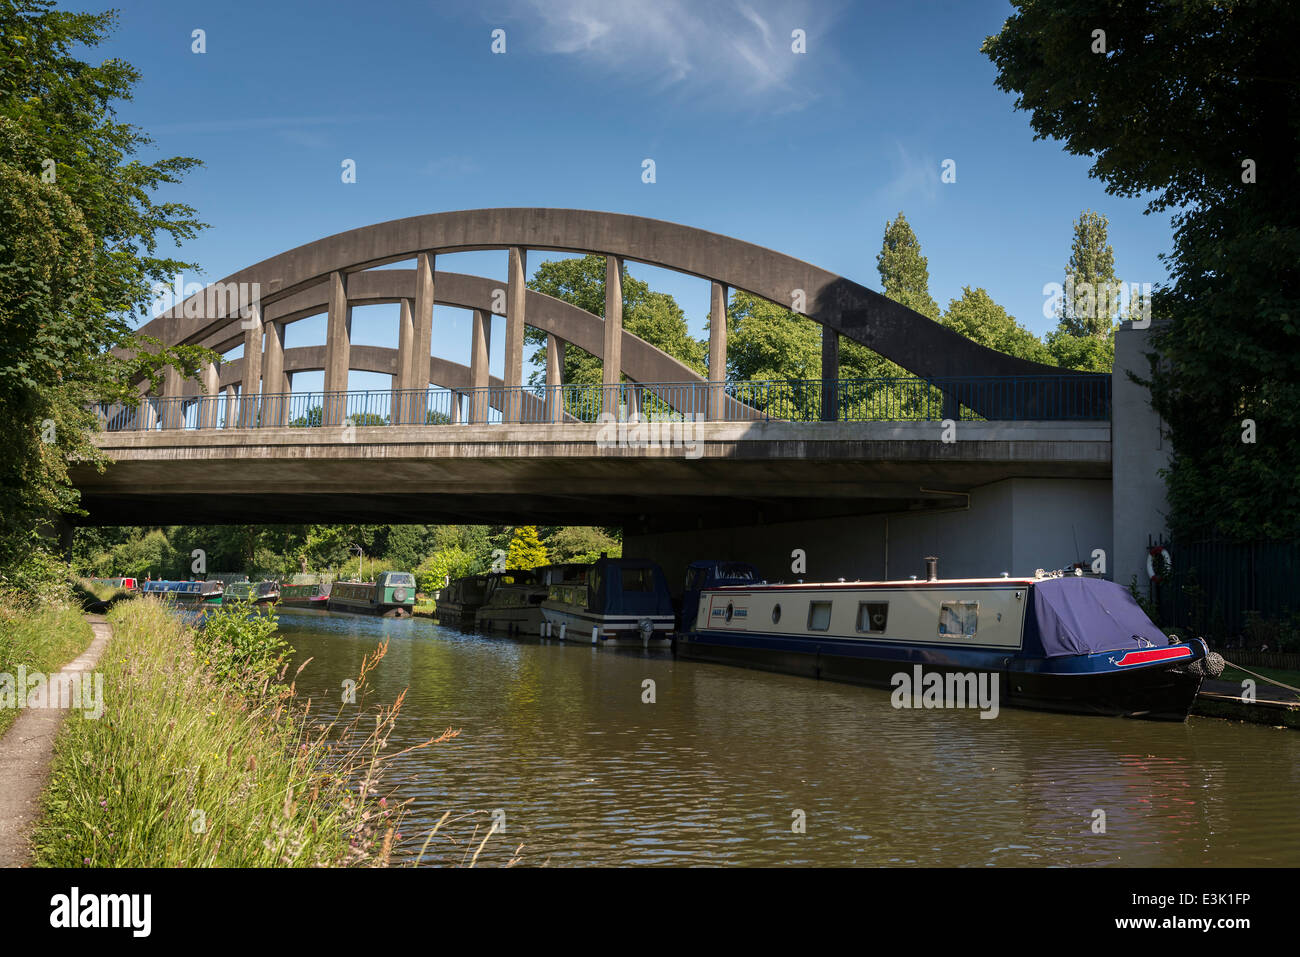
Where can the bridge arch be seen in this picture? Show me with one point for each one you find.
(344, 263)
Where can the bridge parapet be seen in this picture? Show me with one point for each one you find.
(1008, 398)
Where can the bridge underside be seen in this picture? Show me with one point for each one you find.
(718, 475)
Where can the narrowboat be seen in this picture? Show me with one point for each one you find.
(191, 593)
(1055, 642)
(262, 593)
(126, 584)
(617, 599)
(305, 597)
(460, 599)
(392, 595)
(711, 573)
(512, 603)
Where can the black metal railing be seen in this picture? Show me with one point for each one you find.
(902, 399)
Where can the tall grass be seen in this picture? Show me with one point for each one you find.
(205, 757)
(41, 639)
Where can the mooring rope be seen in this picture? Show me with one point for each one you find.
(1270, 681)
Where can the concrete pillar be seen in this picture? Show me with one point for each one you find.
(211, 397)
(479, 347)
(554, 379)
(1139, 450)
(338, 350)
(248, 413)
(147, 416)
(275, 404)
(612, 356)
(173, 416)
(454, 411)
(830, 374)
(717, 352)
(517, 274)
(417, 371)
(231, 404)
(401, 378)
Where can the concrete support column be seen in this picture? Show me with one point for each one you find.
(830, 374)
(208, 402)
(480, 343)
(147, 416)
(1139, 502)
(275, 404)
(338, 350)
(232, 395)
(417, 367)
(405, 336)
(612, 356)
(248, 413)
(516, 274)
(173, 410)
(455, 398)
(554, 379)
(718, 352)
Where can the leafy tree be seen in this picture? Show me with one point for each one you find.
(977, 317)
(652, 316)
(526, 549)
(1192, 106)
(448, 563)
(1090, 306)
(904, 272)
(581, 543)
(766, 341)
(78, 234)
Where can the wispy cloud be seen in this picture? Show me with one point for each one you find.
(739, 50)
(915, 177)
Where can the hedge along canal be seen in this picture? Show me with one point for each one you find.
(205, 757)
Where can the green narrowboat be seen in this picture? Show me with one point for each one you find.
(261, 593)
(392, 595)
(187, 593)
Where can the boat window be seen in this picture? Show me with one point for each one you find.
(401, 578)
(694, 579)
(776, 613)
(873, 616)
(959, 618)
(638, 579)
(819, 615)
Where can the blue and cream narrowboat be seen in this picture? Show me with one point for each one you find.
(392, 595)
(186, 593)
(261, 593)
(1056, 642)
(513, 603)
(308, 597)
(617, 599)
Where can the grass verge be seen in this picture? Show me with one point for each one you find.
(41, 640)
(205, 758)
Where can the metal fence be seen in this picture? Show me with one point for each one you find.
(1063, 397)
(1240, 593)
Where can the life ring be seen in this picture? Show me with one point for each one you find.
(1167, 563)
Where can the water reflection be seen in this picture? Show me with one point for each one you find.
(715, 770)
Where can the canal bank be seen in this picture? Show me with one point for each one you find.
(627, 756)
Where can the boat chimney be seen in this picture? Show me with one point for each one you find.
(931, 568)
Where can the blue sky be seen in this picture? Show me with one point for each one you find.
(810, 154)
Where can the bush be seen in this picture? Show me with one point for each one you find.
(239, 643)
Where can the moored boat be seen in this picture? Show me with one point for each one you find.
(261, 593)
(616, 599)
(391, 594)
(512, 603)
(305, 597)
(126, 584)
(460, 599)
(1054, 642)
(186, 593)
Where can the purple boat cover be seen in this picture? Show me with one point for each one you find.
(1085, 616)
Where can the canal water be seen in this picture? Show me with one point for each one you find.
(730, 766)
